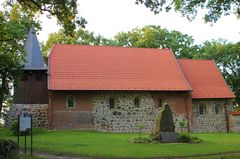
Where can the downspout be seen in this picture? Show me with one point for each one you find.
(226, 118)
(49, 96)
(187, 115)
(50, 109)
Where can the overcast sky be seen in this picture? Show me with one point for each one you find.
(107, 17)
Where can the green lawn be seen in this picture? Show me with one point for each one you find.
(91, 143)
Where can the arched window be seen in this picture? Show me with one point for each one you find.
(202, 109)
(159, 103)
(111, 103)
(70, 102)
(136, 102)
(217, 109)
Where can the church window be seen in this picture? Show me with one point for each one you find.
(70, 102)
(136, 102)
(159, 103)
(216, 108)
(202, 109)
(111, 103)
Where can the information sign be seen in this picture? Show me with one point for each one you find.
(24, 123)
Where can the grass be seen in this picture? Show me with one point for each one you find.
(99, 144)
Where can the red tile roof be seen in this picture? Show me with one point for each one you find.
(78, 67)
(205, 79)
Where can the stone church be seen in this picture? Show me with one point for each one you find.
(116, 89)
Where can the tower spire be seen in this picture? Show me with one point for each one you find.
(34, 59)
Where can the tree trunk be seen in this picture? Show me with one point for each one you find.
(2, 91)
(1, 105)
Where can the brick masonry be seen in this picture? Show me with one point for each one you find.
(209, 120)
(39, 112)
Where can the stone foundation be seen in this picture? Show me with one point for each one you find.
(209, 120)
(125, 117)
(38, 111)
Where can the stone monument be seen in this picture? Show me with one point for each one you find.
(165, 128)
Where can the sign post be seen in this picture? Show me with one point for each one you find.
(24, 126)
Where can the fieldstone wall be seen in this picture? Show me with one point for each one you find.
(234, 123)
(125, 117)
(38, 111)
(180, 118)
(210, 120)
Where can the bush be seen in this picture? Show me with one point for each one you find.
(14, 129)
(187, 138)
(8, 149)
(184, 137)
(182, 124)
(1, 125)
(140, 140)
(140, 128)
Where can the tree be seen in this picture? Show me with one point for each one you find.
(149, 37)
(65, 11)
(227, 57)
(81, 36)
(156, 37)
(13, 30)
(189, 8)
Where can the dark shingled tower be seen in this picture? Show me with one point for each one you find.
(32, 89)
(31, 94)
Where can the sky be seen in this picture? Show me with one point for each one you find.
(108, 17)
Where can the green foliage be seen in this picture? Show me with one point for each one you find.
(14, 128)
(140, 128)
(1, 125)
(184, 137)
(156, 37)
(140, 140)
(227, 58)
(182, 124)
(6, 105)
(215, 8)
(14, 26)
(81, 36)
(65, 11)
(8, 149)
(147, 37)
(187, 138)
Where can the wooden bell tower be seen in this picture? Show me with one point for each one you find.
(32, 88)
